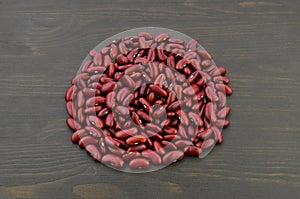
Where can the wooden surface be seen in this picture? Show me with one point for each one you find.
(42, 44)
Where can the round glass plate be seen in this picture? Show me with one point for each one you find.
(145, 98)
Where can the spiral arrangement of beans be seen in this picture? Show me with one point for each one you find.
(143, 102)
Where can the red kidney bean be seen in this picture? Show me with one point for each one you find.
(80, 99)
(169, 146)
(137, 139)
(110, 100)
(143, 115)
(128, 81)
(90, 92)
(183, 143)
(192, 151)
(158, 90)
(206, 63)
(228, 89)
(152, 156)
(159, 112)
(182, 132)
(160, 79)
(195, 64)
(174, 122)
(93, 151)
(223, 112)
(71, 109)
(113, 51)
(143, 89)
(77, 135)
(103, 112)
(158, 148)
(122, 94)
(122, 110)
(153, 135)
(93, 131)
(111, 142)
(183, 117)
(204, 54)
(104, 50)
(170, 130)
(87, 64)
(117, 151)
(171, 61)
(73, 124)
(95, 101)
(206, 123)
(146, 105)
(171, 98)
(127, 100)
(193, 77)
(159, 102)
(98, 59)
(161, 55)
(80, 115)
(205, 133)
(109, 120)
(113, 160)
(130, 155)
(196, 119)
(171, 137)
(187, 70)
(95, 70)
(140, 60)
(162, 37)
(145, 35)
(175, 105)
(191, 131)
(87, 140)
(107, 60)
(221, 123)
(153, 127)
(95, 121)
(139, 163)
(70, 93)
(221, 79)
(222, 99)
(82, 77)
(173, 156)
(192, 44)
(181, 64)
(140, 147)
(218, 134)
(121, 59)
(189, 91)
(136, 119)
(108, 87)
(134, 69)
(126, 133)
(210, 112)
(111, 70)
(211, 95)
(208, 143)
(102, 146)
(153, 68)
(178, 91)
(124, 67)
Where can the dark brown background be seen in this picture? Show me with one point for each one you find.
(42, 44)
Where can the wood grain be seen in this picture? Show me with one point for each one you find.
(42, 44)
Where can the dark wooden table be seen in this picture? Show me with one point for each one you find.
(42, 44)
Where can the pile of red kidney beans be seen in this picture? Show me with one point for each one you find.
(143, 102)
